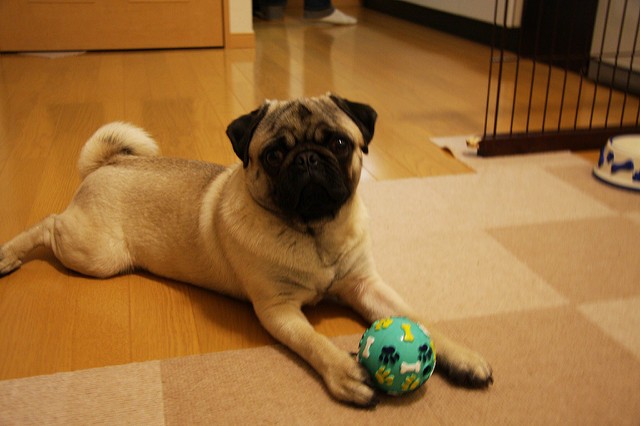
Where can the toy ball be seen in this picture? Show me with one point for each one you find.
(398, 353)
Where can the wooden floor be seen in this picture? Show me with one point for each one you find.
(422, 83)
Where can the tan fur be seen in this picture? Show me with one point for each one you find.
(219, 228)
(112, 140)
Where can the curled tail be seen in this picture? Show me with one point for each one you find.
(113, 139)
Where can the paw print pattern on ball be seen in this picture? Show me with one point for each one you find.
(425, 356)
(410, 383)
(384, 376)
(425, 352)
(388, 355)
(383, 323)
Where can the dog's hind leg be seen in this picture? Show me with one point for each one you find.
(81, 248)
(89, 244)
(12, 253)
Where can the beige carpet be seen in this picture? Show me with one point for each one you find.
(530, 260)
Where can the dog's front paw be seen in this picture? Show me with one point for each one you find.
(9, 262)
(467, 368)
(348, 381)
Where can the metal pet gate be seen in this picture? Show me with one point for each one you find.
(563, 74)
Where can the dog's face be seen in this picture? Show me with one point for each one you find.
(302, 158)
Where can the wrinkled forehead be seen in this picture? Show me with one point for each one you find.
(306, 120)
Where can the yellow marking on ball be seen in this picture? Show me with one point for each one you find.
(384, 376)
(383, 323)
(410, 383)
(408, 337)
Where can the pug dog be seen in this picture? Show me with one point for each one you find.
(283, 228)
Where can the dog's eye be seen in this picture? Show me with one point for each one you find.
(274, 158)
(340, 146)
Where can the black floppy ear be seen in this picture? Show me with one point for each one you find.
(362, 114)
(241, 130)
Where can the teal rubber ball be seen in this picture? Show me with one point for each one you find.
(398, 353)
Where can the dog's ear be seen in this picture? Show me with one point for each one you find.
(241, 130)
(362, 114)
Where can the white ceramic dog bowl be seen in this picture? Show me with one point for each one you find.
(619, 162)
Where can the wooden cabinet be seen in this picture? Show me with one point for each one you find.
(41, 25)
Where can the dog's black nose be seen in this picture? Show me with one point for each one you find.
(306, 160)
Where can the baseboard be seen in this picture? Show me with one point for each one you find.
(460, 26)
(240, 41)
(617, 77)
(335, 3)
